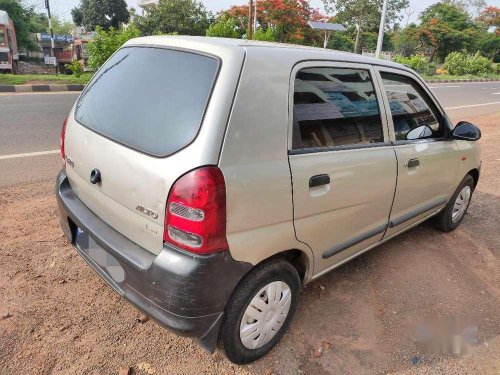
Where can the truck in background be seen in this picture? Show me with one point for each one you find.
(9, 55)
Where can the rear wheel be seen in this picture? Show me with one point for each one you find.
(452, 215)
(260, 311)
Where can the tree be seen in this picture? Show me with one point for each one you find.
(103, 13)
(105, 43)
(26, 21)
(287, 20)
(489, 45)
(224, 27)
(490, 17)
(406, 41)
(187, 17)
(472, 7)
(364, 15)
(62, 27)
(77, 15)
(445, 28)
(239, 13)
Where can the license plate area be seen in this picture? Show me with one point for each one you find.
(105, 261)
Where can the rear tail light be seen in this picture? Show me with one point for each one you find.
(63, 136)
(195, 217)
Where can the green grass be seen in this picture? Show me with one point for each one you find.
(450, 77)
(11, 79)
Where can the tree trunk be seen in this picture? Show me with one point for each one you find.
(358, 41)
(432, 54)
(250, 20)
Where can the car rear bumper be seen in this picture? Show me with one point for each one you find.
(183, 292)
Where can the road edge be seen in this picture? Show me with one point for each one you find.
(40, 88)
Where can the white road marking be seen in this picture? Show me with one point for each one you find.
(443, 87)
(28, 154)
(472, 105)
(495, 93)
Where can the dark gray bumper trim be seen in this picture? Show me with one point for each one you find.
(181, 291)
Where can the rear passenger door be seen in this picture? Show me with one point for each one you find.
(427, 158)
(342, 162)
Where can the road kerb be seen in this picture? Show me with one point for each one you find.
(40, 88)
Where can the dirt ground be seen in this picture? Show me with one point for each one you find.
(58, 317)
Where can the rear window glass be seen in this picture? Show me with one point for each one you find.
(150, 99)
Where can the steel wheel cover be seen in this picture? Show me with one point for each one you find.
(265, 314)
(461, 204)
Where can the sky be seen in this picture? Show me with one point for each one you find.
(63, 7)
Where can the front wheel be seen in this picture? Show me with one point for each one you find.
(452, 215)
(260, 311)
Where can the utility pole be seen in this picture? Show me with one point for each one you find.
(381, 30)
(255, 18)
(250, 20)
(52, 43)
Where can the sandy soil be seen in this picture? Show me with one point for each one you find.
(58, 317)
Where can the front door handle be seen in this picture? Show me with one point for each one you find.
(318, 180)
(412, 163)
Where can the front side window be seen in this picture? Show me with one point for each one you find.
(2, 37)
(411, 111)
(335, 107)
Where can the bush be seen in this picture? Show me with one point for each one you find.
(267, 36)
(418, 63)
(105, 43)
(76, 68)
(459, 63)
(341, 42)
(223, 28)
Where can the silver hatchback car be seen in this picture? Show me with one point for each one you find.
(206, 180)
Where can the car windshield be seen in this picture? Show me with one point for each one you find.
(149, 99)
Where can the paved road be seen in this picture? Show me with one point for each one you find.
(32, 123)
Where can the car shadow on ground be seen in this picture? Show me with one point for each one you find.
(362, 317)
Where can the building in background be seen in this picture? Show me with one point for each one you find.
(9, 55)
(62, 50)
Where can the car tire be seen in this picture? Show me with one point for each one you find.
(247, 312)
(452, 215)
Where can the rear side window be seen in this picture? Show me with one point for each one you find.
(149, 99)
(335, 107)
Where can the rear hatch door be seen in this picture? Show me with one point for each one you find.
(134, 123)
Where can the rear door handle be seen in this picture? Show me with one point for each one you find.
(318, 180)
(412, 163)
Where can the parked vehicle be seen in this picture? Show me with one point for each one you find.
(9, 55)
(207, 180)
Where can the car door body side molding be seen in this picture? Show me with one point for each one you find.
(419, 211)
(354, 241)
(393, 223)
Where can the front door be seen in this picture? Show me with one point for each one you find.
(342, 162)
(427, 159)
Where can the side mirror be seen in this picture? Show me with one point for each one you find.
(466, 131)
(419, 132)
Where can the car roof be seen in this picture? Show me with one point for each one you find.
(296, 51)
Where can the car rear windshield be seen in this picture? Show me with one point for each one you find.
(150, 99)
